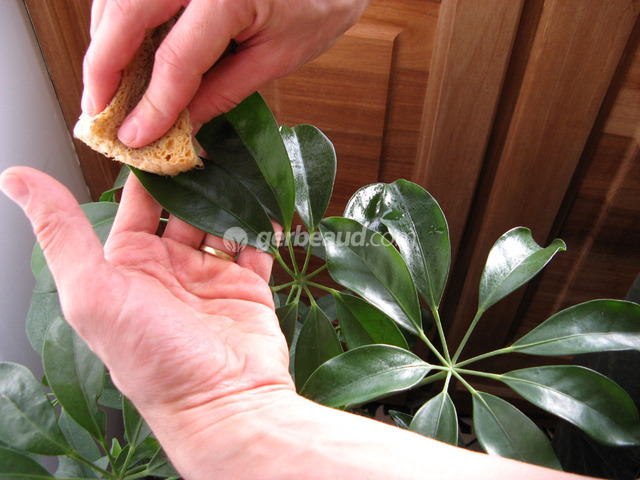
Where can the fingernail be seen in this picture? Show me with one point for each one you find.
(87, 104)
(15, 188)
(128, 132)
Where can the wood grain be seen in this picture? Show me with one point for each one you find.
(574, 55)
(62, 29)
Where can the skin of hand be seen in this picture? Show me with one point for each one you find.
(272, 37)
(178, 328)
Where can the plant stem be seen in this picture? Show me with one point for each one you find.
(501, 351)
(76, 456)
(330, 290)
(292, 255)
(435, 351)
(477, 373)
(467, 335)
(443, 339)
(285, 267)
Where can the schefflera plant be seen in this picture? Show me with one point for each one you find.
(389, 252)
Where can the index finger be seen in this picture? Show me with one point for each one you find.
(118, 34)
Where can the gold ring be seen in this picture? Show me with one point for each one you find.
(216, 253)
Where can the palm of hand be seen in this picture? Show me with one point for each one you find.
(175, 325)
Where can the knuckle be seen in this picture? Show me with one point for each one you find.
(169, 60)
(124, 8)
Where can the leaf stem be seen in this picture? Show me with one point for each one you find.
(501, 351)
(467, 334)
(477, 373)
(443, 339)
(76, 456)
(285, 267)
(432, 347)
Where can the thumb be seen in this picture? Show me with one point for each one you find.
(70, 246)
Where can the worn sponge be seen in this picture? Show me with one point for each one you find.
(169, 155)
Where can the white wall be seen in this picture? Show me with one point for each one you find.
(32, 132)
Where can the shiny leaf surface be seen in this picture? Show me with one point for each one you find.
(75, 375)
(363, 324)
(27, 419)
(366, 263)
(364, 374)
(420, 231)
(15, 466)
(589, 400)
(212, 200)
(504, 430)
(364, 206)
(514, 259)
(317, 343)
(257, 128)
(595, 326)
(313, 161)
(437, 419)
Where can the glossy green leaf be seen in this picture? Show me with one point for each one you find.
(594, 326)
(589, 400)
(514, 260)
(110, 195)
(257, 128)
(363, 324)
(437, 419)
(111, 396)
(44, 307)
(16, 466)
(364, 206)
(136, 429)
(288, 316)
(504, 430)
(75, 375)
(27, 419)
(403, 420)
(313, 161)
(317, 343)
(420, 231)
(364, 374)
(366, 263)
(160, 466)
(82, 443)
(212, 200)
(228, 151)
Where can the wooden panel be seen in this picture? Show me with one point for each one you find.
(574, 55)
(473, 44)
(62, 29)
(366, 94)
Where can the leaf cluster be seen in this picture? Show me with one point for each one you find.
(390, 254)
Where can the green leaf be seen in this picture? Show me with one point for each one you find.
(136, 429)
(403, 420)
(317, 343)
(27, 419)
(212, 200)
(589, 400)
(254, 123)
(364, 206)
(16, 466)
(364, 374)
(504, 430)
(420, 231)
(111, 396)
(364, 262)
(82, 443)
(288, 316)
(363, 324)
(514, 260)
(75, 375)
(226, 149)
(437, 419)
(595, 326)
(110, 195)
(313, 161)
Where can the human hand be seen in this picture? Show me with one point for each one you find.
(273, 38)
(178, 329)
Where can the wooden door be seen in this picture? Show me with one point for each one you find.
(509, 112)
